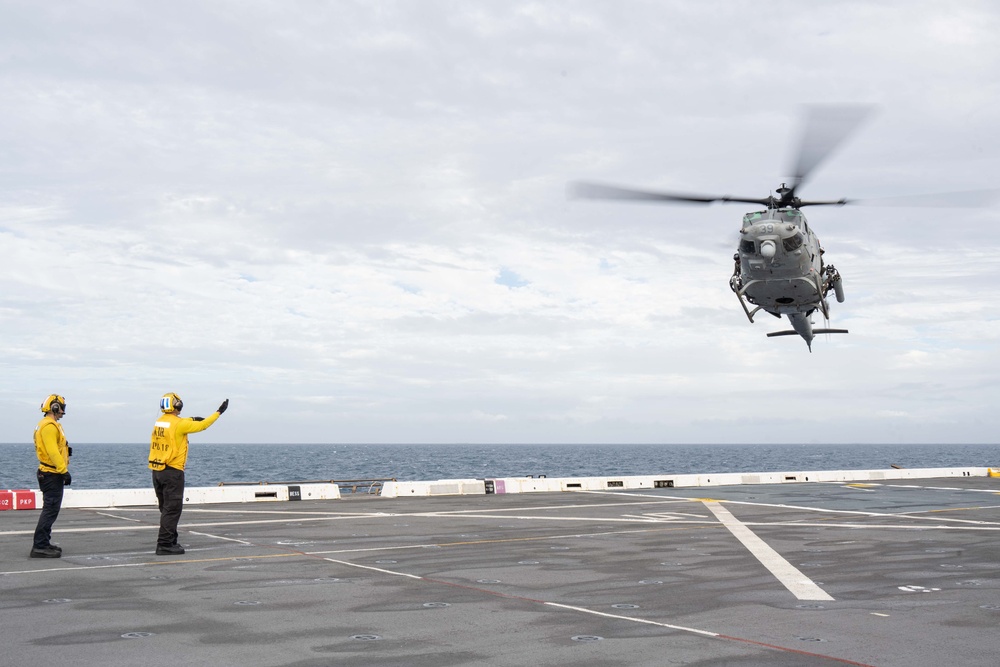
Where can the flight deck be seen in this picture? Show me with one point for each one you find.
(889, 573)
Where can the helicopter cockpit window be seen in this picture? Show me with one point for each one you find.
(792, 243)
(747, 247)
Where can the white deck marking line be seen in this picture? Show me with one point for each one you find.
(891, 515)
(599, 519)
(670, 518)
(894, 515)
(221, 537)
(297, 554)
(933, 488)
(634, 619)
(74, 568)
(801, 586)
(282, 512)
(156, 526)
(432, 580)
(375, 569)
(659, 501)
(114, 516)
(654, 500)
(986, 526)
(583, 610)
(869, 526)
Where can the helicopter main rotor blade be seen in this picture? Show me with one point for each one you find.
(824, 129)
(584, 190)
(958, 199)
(962, 199)
(838, 202)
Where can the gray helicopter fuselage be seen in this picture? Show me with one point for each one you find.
(781, 263)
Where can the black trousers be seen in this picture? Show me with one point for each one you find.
(169, 487)
(51, 485)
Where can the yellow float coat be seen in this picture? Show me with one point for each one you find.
(169, 443)
(51, 446)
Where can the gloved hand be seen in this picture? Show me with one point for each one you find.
(70, 450)
(223, 407)
(67, 479)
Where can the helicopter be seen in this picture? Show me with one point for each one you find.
(779, 263)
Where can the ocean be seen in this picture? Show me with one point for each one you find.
(123, 466)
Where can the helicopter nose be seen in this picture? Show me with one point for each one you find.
(767, 249)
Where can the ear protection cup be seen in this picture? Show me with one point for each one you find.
(171, 403)
(54, 400)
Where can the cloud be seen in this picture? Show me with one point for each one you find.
(352, 220)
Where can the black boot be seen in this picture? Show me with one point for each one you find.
(46, 552)
(172, 550)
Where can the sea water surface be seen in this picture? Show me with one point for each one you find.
(123, 466)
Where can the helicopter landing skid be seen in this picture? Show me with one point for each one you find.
(739, 291)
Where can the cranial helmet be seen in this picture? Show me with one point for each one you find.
(171, 403)
(54, 402)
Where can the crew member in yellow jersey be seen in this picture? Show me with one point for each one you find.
(53, 473)
(167, 456)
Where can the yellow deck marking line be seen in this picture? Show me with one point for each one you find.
(801, 586)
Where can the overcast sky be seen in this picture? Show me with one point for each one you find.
(350, 218)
